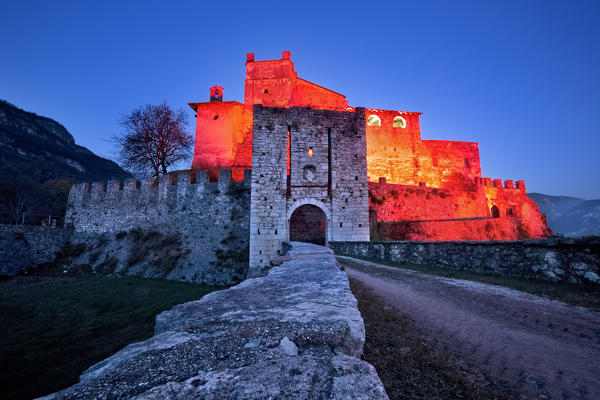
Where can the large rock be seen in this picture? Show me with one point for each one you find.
(295, 333)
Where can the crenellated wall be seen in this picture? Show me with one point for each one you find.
(212, 218)
(487, 212)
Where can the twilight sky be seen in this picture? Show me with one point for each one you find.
(522, 78)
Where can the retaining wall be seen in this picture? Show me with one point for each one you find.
(295, 334)
(554, 260)
(22, 246)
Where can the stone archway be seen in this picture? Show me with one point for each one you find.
(308, 223)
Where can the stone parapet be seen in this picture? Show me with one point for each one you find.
(295, 334)
(555, 260)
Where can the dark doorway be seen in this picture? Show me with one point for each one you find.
(495, 212)
(307, 224)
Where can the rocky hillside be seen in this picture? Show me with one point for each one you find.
(569, 216)
(39, 160)
(43, 149)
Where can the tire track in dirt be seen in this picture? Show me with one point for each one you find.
(535, 347)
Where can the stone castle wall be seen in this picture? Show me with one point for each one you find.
(327, 169)
(211, 218)
(555, 260)
(403, 202)
(424, 213)
(22, 246)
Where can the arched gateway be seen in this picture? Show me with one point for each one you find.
(309, 179)
(308, 224)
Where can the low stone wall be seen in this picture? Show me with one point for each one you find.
(295, 334)
(22, 246)
(554, 260)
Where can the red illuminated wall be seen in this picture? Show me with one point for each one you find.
(223, 131)
(398, 154)
(435, 184)
(224, 128)
(402, 202)
(505, 228)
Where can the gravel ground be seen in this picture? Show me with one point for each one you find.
(524, 345)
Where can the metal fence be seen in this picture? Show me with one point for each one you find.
(31, 219)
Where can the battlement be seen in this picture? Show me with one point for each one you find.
(509, 184)
(177, 178)
(118, 205)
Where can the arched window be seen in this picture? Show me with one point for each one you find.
(373, 120)
(399, 122)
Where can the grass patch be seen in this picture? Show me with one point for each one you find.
(576, 295)
(53, 328)
(408, 366)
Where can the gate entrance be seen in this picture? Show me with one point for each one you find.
(307, 224)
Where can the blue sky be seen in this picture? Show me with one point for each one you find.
(522, 78)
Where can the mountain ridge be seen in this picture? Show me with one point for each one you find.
(569, 216)
(40, 160)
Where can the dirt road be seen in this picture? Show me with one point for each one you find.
(529, 346)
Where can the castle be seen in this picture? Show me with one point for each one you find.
(320, 167)
(321, 171)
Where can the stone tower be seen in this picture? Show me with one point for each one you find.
(309, 179)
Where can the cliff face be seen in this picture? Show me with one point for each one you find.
(39, 161)
(41, 149)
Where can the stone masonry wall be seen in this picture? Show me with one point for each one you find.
(22, 246)
(327, 169)
(293, 334)
(504, 228)
(211, 218)
(400, 202)
(554, 260)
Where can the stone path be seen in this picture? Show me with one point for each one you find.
(527, 345)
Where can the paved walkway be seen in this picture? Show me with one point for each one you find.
(531, 346)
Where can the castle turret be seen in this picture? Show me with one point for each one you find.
(216, 93)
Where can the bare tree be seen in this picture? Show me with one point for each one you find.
(154, 139)
(16, 205)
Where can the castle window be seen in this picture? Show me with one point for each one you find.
(399, 122)
(435, 161)
(215, 116)
(310, 152)
(373, 120)
(467, 164)
(266, 91)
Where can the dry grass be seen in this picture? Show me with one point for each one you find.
(53, 328)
